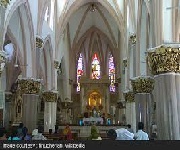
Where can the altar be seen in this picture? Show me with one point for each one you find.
(93, 120)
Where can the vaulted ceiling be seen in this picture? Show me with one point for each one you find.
(92, 15)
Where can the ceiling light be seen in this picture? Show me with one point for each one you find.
(93, 8)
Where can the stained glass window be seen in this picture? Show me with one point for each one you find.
(95, 67)
(79, 71)
(112, 87)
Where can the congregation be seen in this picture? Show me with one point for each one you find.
(21, 133)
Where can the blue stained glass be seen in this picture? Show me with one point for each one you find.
(79, 71)
(112, 87)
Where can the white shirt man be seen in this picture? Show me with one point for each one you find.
(141, 135)
(124, 134)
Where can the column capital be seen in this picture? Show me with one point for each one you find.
(39, 42)
(29, 85)
(125, 62)
(56, 64)
(4, 3)
(132, 38)
(142, 84)
(50, 96)
(129, 96)
(164, 59)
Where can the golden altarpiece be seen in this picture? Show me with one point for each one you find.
(95, 96)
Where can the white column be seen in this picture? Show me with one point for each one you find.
(131, 57)
(8, 109)
(29, 111)
(56, 70)
(2, 78)
(82, 100)
(167, 99)
(2, 16)
(50, 98)
(130, 109)
(50, 116)
(143, 105)
(131, 115)
(39, 44)
(107, 100)
(164, 64)
(143, 87)
(122, 115)
(167, 20)
(143, 43)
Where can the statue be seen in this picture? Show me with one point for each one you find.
(94, 112)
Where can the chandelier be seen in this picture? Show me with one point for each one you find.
(93, 8)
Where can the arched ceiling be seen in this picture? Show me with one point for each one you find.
(108, 17)
(92, 15)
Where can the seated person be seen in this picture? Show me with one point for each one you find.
(94, 133)
(141, 135)
(25, 134)
(3, 134)
(56, 129)
(124, 134)
(19, 130)
(14, 135)
(129, 128)
(111, 134)
(37, 134)
(120, 134)
(67, 133)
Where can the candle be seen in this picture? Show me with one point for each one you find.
(89, 102)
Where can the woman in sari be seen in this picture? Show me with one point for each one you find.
(67, 133)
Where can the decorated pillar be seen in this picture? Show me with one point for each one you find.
(142, 87)
(26, 102)
(50, 98)
(164, 64)
(130, 109)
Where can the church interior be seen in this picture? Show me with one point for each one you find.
(83, 62)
